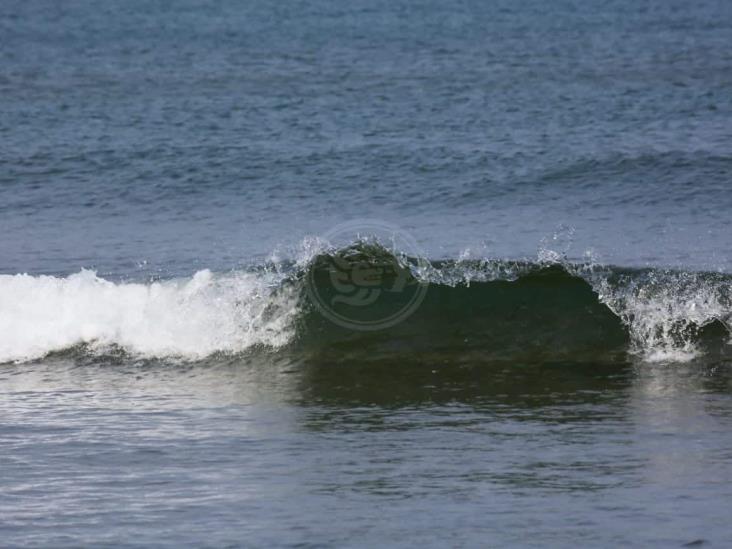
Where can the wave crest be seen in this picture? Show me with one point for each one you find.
(473, 310)
(191, 318)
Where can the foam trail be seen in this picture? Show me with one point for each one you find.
(190, 318)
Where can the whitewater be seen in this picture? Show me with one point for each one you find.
(663, 311)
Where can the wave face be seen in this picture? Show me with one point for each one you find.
(471, 311)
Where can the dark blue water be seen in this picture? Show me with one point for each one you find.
(194, 134)
(147, 405)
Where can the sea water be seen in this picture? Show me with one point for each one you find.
(186, 354)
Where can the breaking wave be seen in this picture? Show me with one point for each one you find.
(190, 318)
(472, 311)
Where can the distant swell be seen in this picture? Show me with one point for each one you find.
(472, 311)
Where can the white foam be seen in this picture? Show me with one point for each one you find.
(663, 309)
(189, 318)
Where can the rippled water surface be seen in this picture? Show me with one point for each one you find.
(230, 453)
(563, 169)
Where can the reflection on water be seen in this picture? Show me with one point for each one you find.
(511, 453)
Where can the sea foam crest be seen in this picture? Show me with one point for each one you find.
(190, 318)
(665, 309)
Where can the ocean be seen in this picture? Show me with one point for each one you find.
(327, 274)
